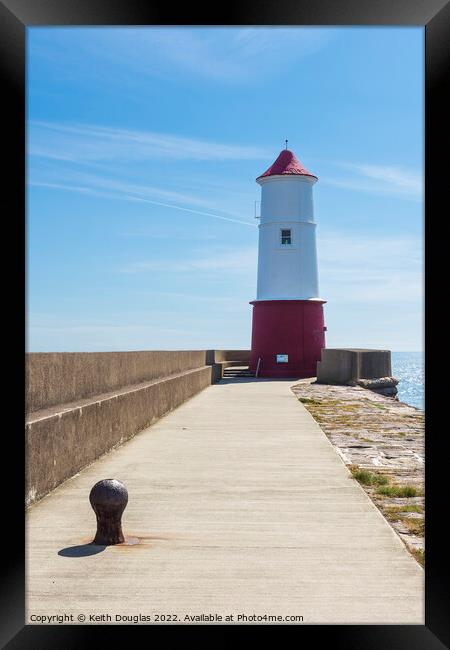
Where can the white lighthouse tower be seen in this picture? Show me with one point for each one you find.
(288, 326)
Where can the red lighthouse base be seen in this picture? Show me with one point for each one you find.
(292, 329)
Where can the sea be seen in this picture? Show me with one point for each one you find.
(408, 368)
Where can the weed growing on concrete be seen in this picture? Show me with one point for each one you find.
(419, 554)
(398, 491)
(414, 526)
(394, 511)
(368, 478)
(309, 400)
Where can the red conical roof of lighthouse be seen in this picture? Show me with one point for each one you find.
(286, 164)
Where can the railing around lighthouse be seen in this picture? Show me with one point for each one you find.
(257, 367)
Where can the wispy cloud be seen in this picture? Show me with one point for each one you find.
(112, 186)
(380, 179)
(61, 154)
(371, 269)
(130, 197)
(237, 54)
(171, 234)
(220, 55)
(86, 142)
(398, 177)
(220, 260)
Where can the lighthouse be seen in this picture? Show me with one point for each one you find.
(288, 331)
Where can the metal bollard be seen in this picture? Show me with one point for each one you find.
(108, 499)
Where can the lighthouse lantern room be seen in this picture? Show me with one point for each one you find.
(288, 330)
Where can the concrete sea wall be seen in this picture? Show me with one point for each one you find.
(82, 405)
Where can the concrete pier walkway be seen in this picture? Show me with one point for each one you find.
(242, 507)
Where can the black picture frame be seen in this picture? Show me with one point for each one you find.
(434, 16)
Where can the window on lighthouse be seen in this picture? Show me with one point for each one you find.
(286, 238)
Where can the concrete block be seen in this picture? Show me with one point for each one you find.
(348, 365)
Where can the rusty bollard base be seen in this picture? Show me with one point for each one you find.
(108, 499)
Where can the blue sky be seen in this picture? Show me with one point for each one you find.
(143, 145)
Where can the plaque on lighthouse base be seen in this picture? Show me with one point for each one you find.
(287, 337)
